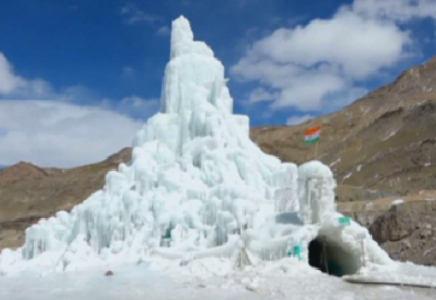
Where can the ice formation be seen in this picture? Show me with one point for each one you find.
(197, 186)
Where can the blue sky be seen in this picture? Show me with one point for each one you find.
(78, 78)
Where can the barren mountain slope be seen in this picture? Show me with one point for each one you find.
(384, 141)
(24, 170)
(26, 199)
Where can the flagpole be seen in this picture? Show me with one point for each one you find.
(312, 135)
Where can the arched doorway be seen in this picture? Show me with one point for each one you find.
(331, 258)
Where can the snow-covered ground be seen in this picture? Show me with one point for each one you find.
(201, 279)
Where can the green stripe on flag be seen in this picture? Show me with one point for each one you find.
(312, 141)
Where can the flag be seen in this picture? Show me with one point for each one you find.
(312, 135)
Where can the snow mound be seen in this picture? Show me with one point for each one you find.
(195, 177)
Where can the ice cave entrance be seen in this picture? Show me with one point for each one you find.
(331, 258)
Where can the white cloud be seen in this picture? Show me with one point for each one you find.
(306, 65)
(133, 15)
(260, 95)
(295, 120)
(358, 46)
(136, 106)
(398, 10)
(307, 91)
(12, 84)
(134, 101)
(8, 81)
(55, 130)
(163, 31)
(49, 133)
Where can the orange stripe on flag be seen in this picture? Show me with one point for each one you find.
(311, 131)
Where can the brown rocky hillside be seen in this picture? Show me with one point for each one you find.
(28, 193)
(381, 146)
(385, 141)
(24, 170)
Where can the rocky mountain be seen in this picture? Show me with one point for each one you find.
(407, 232)
(24, 170)
(29, 193)
(384, 141)
(381, 147)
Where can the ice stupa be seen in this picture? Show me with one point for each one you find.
(197, 186)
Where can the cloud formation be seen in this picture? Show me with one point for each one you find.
(132, 14)
(323, 64)
(163, 31)
(295, 120)
(12, 84)
(398, 10)
(50, 133)
(58, 129)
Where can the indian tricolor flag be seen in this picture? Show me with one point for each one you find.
(312, 135)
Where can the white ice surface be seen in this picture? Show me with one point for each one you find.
(201, 279)
(197, 187)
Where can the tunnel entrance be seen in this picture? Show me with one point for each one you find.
(331, 259)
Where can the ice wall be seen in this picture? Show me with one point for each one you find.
(195, 175)
(195, 183)
(316, 196)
